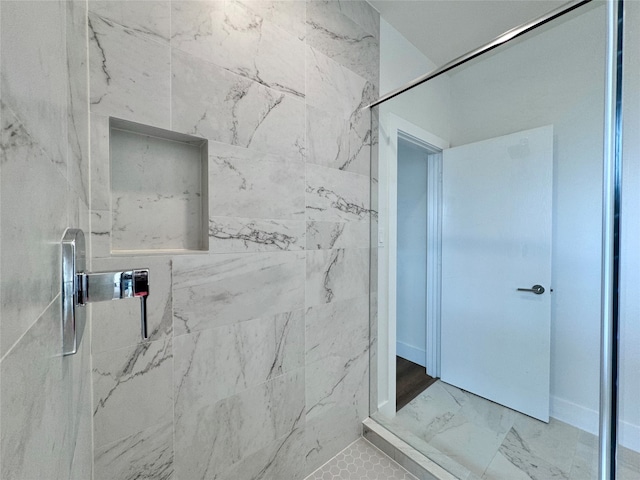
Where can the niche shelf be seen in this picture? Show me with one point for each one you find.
(159, 198)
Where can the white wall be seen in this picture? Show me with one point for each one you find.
(411, 308)
(561, 83)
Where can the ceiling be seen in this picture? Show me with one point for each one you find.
(445, 29)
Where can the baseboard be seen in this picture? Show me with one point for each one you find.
(629, 436)
(588, 420)
(411, 353)
(581, 417)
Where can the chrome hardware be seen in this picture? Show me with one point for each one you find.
(537, 289)
(80, 288)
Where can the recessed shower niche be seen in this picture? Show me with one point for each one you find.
(159, 198)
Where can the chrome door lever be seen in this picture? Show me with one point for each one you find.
(537, 289)
(80, 288)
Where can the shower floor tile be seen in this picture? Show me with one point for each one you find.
(474, 439)
(361, 461)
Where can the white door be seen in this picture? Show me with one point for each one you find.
(496, 238)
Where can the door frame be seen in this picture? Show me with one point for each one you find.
(393, 127)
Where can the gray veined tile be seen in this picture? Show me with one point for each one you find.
(363, 14)
(338, 274)
(217, 436)
(129, 74)
(211, 291)
(37, 413)
(146, 454)
(215, 364)
(132, 390)
(329, 235)
(328, 433)
(250, 184)
(228, 235)
(344, 144)
(149, 19)
(334, 88)
(100, 164)
(30, 253)
(340, 38)
(350, 318)
(515, 460)
(281, 459)
(100, 236)
(337, 382)
(33, 60)
(336, 196)
(232, 36)
(77, 100)
(288, 15)
(117, 324)
(211, 102)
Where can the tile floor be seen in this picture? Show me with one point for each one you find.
(361, 461)
(475, 439)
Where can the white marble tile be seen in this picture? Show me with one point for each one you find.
(334, 88)
(250, 184)
(282, 459)
(229, 235)
(342, 143)
(336, 196)
(336, 382)
(210, 291)
(585, 461)
(77, 99)
(429, 411)
(215, 364)
(100, 236)
(289, 15)
(32, 226)
(146, 454)
(329, 235)
(100, 170)
(132, 390)
(129, 74)
(555, 442)
(33, 62)
(158, 200)
(211, 102)
(213, 438)
(350, 318)
(236, 39)
(340, 38)
(116, 324)
(150, 19)
(515, 460)
(329, 433)
(363, 14)
(38, 404)
(338, 274)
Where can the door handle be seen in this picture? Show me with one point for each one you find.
(537, 289)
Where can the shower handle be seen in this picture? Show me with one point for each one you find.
(80, 288)
(537, 289)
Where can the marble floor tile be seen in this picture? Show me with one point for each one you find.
(475, 439)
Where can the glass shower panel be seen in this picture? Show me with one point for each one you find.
(629, 354)
(520, 129)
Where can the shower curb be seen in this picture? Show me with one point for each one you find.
(403, 453)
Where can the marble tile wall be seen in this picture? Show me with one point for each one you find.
(257, 366)
(45, 414)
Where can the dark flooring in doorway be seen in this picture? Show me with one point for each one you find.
(411, 381)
